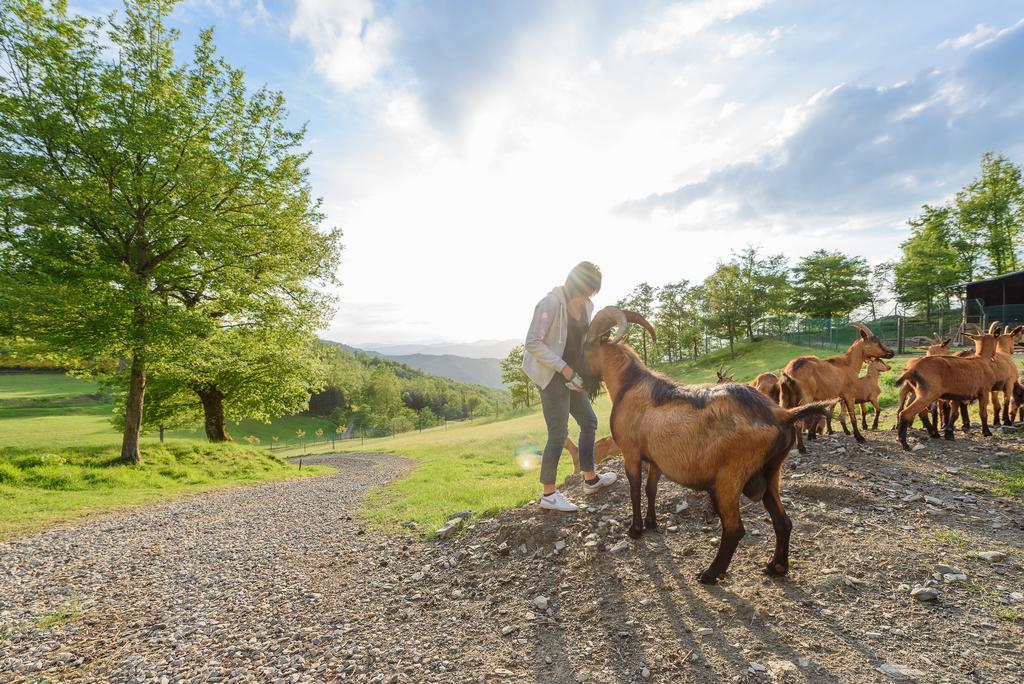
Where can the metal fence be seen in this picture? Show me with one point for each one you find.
(898, 332)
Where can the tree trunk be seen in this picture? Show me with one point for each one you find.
(133, 411)
(213, 414)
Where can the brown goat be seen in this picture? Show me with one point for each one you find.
(1004, 393)
(868, 391)
(765, 383)
(726, 439)
(809, 378)
(954, 378)
(938, 347)
(603, 449)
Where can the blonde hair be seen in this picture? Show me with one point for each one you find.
(583, 279)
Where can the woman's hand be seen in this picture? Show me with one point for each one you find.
(567, 372)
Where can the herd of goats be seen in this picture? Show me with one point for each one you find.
(730, 438)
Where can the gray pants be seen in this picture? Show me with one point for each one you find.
(558, 402)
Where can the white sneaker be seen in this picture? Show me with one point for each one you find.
(557, 502)
(603, 480)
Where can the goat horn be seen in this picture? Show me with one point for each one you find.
(993, 328)
(973, 326)
(863, 328)
(634, 317)
(608, 318)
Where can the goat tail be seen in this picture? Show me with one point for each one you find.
(818, 409)
(913, 377)
(789, 391)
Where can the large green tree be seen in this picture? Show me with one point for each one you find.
(929, 263)
(641, 300)
(828, 284)
(724, 302)
(232, 375)
(763, 285)
(145, 199)
(990, 214)
(516, 379)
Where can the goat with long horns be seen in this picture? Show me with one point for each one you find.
(725, 439)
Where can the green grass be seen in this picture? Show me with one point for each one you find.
(751, 358)
(61, 616)
(21, 386)
(40, 487)
(1010, 614)
(481, 466)
(1007, 478)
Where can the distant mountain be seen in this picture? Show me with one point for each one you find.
(486, 372)
(483, 349)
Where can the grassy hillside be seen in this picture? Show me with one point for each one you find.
(751, 358)
(40, 487)
(480, 467)
(51, 410)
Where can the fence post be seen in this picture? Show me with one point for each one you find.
(901, 326)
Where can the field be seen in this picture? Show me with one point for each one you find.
(55, 411)
(39, 487)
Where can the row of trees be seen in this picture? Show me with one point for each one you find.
(154, 210)
(749, 294)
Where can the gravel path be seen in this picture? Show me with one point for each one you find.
(272, 582)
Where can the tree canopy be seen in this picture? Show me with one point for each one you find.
(147, 202)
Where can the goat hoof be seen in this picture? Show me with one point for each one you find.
(987, 433)
(949, 435)
(707, 577)
(634, 532)
(776, 569)
(860, 438)
(651, 524)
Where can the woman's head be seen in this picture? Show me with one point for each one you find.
(584, 280)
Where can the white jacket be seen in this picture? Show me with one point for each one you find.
(545, 341)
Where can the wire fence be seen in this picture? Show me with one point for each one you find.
(899, 332)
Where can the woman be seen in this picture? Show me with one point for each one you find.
(554, 342)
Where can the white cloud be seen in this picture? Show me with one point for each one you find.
(683, 20)
(350, 43)
(980, 33)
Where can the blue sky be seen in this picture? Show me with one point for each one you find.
(474, 151)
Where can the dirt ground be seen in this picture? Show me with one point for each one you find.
(871, 524)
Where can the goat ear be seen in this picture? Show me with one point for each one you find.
(945, 342)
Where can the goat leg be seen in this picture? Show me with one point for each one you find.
(848, 403)
(634, 473)
(727, 500)
(932, 428)
(779, 564)
(864, 416)
(878, 414)
(950, 410)
(653, 475)
(965, 417)
(983, 399)
(842, 418)
(996, 408)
